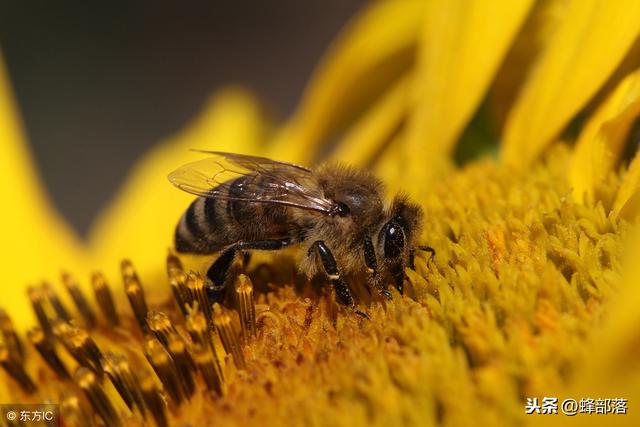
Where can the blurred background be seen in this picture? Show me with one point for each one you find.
(98, 84)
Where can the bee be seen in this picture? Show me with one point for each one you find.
(336, 214)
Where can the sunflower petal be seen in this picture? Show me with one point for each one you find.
(461, 47)
(27, 217)
(530, 41)
(367, 137)
(140, 221)
(581, 54)
(602, 139)
(374, 49)
(627, 203)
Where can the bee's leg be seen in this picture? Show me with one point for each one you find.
(412, 259)
(372, 266)
(217, 273)
(331, 268)
(428, 249)
(398, 274)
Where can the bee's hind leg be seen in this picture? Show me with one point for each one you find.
(331, 268)
(217, 273)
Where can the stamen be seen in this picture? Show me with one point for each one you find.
(81, 346)
(153, 399)
(127, 270)
(198, 329)
(47, 350)
(173, 263)
(201, 336)
(73, 411)
(55, 302)
(164, 367)
(89, 384)
(38, 303)
(79, 299)
(228, 336)
(209, 369)
(104, 298)
(10, 337)
(161, 326)
(183, 362)
(246, 306)
(135, 293)
(16, 370)
(117, 368)
(196, 293)
(177, 280)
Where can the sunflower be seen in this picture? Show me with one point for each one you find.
(512, 123)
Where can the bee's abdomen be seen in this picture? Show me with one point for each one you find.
(201, 229)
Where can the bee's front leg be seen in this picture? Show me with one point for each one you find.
(372, 267)
(331, 269)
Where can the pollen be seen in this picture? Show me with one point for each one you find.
(521, 276)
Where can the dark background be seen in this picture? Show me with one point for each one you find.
(97, 84)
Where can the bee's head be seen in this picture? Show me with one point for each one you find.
(398, 235)
(356, 195)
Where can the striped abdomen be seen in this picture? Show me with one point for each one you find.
(210, 224)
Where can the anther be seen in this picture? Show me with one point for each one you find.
(201, 336)
(10, 337)
(38, 303)
(209, 368)
(16, 370)
(161, 326)
(119, 372)
(47, 350)
(228, 336)
(173, 263)
(183, 362)
(73, 411)
(177, 280)
(135, 293)
(127, 270)
(197, 293)
(198, 328)
(164, 368)
(80, 300)
(104, 298)
(81, 346)
(152, 398)
(55, 302)
(246, 307)
(90, 385)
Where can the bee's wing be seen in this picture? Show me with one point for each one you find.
(266, 181)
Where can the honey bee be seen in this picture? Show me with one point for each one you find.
(336, 214)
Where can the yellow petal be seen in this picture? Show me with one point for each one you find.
(627, 203)
(603, 137)
(36, 242)
(368, 136)
(462, 45)
(530, 41)
(372, 51)
(140, 221)
(584, 50)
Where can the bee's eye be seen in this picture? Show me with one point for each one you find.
(342, 209)
(393, 240)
